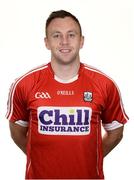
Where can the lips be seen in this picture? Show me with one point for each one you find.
(65, 50)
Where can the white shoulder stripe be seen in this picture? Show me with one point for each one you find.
(12, 90)
(22, 123)
(111, 126)
(97, 71)
(91, 68)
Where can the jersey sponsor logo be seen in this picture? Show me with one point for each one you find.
(42, 95)
(65, 93)
(88, 96)
(64, 120)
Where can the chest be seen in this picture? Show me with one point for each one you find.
(65, 108)
(80, 93)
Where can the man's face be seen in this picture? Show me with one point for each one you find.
(64, 40)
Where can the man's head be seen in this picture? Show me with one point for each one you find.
(63, 37)
(61, 14)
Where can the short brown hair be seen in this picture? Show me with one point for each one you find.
(61, 14)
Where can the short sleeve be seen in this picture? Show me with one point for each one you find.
(16, 106)
(114, 110)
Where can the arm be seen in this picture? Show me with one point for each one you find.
(111, 139)
(19, 135)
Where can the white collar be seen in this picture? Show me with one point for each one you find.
(66, 81)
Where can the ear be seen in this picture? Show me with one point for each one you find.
(82, 42)
(46, 43)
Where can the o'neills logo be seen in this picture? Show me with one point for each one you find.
(64, 120)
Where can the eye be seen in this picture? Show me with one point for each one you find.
(56, 35)
(71, 35)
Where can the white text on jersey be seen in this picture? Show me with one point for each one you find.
(65, 93)
(42, 95)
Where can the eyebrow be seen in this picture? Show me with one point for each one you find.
(73, 31)
(58, 32)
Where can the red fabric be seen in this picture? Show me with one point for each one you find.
(63, 154)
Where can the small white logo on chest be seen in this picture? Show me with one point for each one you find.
(42, 95)
(88, 96)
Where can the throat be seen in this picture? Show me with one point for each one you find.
(65, 73)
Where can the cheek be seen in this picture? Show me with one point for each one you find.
(53, 48)
(79, 45)
(49, 46)
(53, 44)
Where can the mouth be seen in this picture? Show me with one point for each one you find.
(65, 50)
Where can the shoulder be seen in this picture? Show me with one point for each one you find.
(97, 75)
(100, 80)
(31, 76)
(27, 81)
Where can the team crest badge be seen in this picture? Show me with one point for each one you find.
(88, 96)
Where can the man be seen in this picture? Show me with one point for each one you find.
(56, 110)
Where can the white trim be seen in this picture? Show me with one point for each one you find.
(112, 126)
(98, 154)
(67, 80)
(29, 165)
(12, 90)
(97, 71)
(22, 123)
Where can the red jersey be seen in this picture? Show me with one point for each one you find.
(64, 120)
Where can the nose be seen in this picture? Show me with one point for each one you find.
(64, 40)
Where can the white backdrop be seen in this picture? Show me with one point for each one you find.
(108, 27)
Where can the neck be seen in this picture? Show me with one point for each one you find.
(65, 71)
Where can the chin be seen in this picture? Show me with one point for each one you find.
(66, 62)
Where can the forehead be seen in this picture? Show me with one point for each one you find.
(63, 24)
